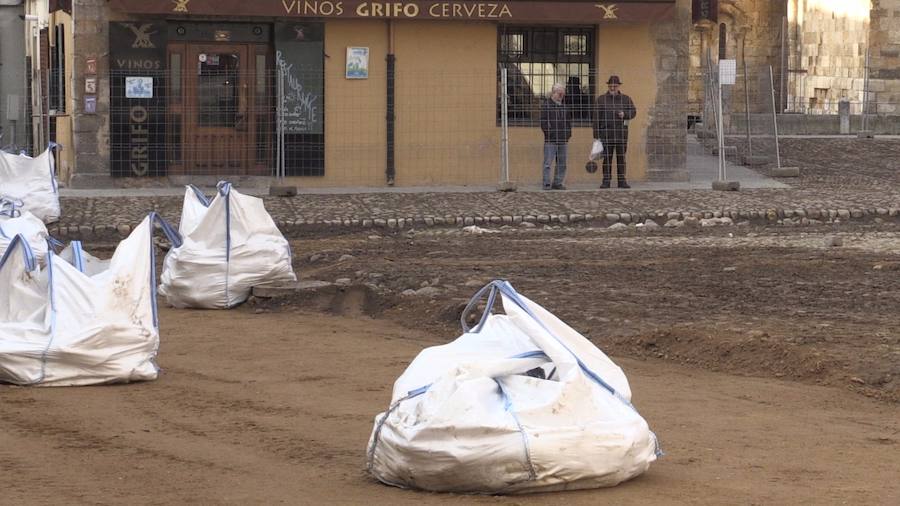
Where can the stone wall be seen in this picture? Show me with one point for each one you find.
(752, 36)
(884, 57)
(829, 52)
(91, 131)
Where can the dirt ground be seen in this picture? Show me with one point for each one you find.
(766, 362)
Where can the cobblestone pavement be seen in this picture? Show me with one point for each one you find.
(845, 179)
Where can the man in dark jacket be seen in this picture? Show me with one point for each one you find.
(556, 123)
(611, 115)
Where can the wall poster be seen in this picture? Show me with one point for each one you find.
(357, 63)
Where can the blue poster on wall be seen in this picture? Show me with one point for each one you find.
(138, 87)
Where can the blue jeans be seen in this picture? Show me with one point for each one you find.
(556, 151)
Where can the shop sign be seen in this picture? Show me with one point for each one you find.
(137, 52)
(299, 50)
(500, 11)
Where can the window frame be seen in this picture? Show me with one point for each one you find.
(56, 78)
(528, 114)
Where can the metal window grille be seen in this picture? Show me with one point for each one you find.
(537, 57)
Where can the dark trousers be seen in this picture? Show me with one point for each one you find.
(619, 148)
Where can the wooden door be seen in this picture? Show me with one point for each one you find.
(217, 119)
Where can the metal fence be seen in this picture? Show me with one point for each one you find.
(446, 128)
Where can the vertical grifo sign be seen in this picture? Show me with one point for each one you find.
(137, 98)
(299, 50)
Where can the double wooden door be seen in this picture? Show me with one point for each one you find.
(220, 109)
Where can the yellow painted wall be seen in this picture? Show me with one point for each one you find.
(64, 135)
(627, 51)
(446, 89)
(445, 130)
(355, 136)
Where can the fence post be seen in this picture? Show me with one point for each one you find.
(720, 128)
(279, 163)
(505, 184)
(864, 132)
(779, 171)
(747, 105)
(774, 118)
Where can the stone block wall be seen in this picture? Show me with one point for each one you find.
(829, 53)
(884, 57)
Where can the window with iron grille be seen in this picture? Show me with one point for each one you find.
(57, 74)
(537, 57)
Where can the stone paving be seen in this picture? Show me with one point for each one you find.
(865, 185)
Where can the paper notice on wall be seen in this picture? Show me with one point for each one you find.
(727, 71)
(138, 87)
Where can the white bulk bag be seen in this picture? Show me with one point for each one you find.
(30, 227)
(464, 417)
(31, 182)
(230, 245)
(60, 326)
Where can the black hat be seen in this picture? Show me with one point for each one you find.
(591, 167)
(614, 80)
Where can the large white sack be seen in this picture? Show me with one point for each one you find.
(32, 182)
(30, 227)
(230, 245)
(465, 418)
(60, 326)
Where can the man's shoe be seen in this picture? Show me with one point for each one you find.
(558, 187)
(547, 188)
(604, 185)
(623, 184)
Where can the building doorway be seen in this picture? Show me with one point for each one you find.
(220, 110)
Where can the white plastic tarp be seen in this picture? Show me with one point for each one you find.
(475, 415)
(29, 184)
(230, 245)
(30, 227)
(64, 325)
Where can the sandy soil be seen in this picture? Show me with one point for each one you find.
(765, 362)
(265, 408)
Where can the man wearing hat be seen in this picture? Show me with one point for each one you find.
(611, 115)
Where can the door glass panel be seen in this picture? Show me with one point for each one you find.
(175, 69)
(217, 89)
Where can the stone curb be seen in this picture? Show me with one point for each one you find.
(783, 217)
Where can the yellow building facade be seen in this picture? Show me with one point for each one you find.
(352, 93)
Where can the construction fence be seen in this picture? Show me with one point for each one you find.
(412, 127)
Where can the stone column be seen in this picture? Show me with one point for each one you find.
(667, 123)
(91, 131)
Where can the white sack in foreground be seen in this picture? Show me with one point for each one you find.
(30, 227)
(64, 325)
(31, 184)
(465, 417)
(230, 245)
